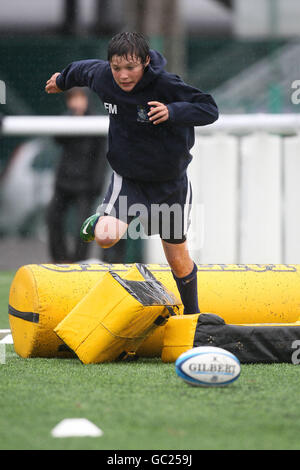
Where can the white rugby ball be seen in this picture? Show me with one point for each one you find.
(208, 366)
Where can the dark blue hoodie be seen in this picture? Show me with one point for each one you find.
(138, 149)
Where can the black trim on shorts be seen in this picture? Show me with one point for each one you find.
(174, 241)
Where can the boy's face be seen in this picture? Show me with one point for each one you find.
(127, 71)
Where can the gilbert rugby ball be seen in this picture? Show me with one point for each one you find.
(207, 366)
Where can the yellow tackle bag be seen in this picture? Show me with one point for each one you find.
(116, 316)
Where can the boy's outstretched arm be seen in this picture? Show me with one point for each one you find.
(51, 86)
(85, 73)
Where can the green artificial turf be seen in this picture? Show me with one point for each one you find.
(143, 404)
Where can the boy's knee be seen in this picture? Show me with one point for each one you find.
(104, 240)
(108, 231)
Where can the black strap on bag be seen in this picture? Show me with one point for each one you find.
(265, 343)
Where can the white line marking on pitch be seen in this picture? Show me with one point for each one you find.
(6, 337)
(76, 427)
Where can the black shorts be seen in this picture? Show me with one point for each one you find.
(160, 207)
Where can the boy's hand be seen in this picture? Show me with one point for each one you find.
(51, 86)
(159, 113)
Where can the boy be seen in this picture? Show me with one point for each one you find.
(152, 117)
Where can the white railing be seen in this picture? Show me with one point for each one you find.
(98, 125)
(245, 177)
(54, 125)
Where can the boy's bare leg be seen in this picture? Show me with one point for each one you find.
(184, 271)
(178, 258)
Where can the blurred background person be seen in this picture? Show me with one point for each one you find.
(79, 178)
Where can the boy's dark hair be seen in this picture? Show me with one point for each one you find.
(127, 45)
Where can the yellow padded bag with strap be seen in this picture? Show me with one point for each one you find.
(250, 343)
(116, 316)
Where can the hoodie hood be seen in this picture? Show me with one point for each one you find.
(152, 71)
(157, 62)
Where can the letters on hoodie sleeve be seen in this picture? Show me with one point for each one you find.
(189, 106)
